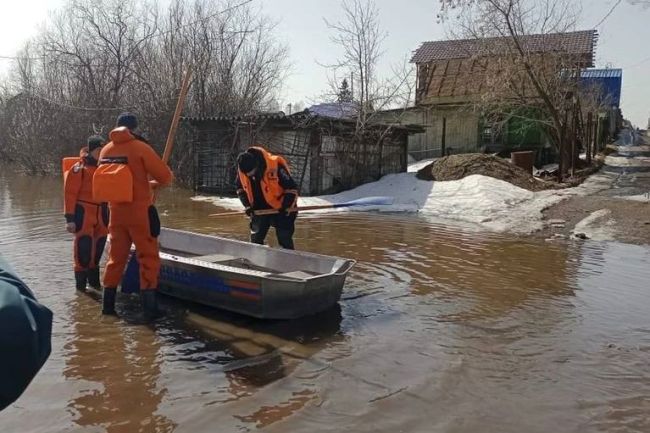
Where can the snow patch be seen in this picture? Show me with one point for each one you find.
(625, 161)
(641, 197)
(597, 226)
(478, 200)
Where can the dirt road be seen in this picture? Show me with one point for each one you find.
(620, 212)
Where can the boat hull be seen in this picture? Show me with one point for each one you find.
(254, 280)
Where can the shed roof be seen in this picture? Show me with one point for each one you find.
(335, 110)
(260, 115)
(280, 119)
(579, 43)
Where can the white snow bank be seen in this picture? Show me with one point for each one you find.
(625, 161)
(597, 226)
(641, 197)
(485, 201)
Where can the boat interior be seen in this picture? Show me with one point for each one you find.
(247, 256)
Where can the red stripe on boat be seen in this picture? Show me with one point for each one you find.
(243, 284)
(243, 295)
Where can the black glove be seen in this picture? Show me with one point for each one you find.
(249, 211)
(283, 211)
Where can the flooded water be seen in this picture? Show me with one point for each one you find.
(439, 330)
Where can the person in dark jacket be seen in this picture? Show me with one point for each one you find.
(25, 335)
(264, 182)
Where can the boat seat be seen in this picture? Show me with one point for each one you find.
(228, 260)
(215, 258)
(300, 275)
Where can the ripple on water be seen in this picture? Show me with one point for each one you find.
(439, 329)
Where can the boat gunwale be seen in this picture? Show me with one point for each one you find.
(345, 266)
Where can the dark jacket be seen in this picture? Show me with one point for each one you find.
(25, 335)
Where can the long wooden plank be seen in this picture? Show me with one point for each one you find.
(185, 86)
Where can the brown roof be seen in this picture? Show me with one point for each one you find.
(579, 43)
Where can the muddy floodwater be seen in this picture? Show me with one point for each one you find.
(440, 329)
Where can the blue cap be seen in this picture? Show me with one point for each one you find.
(127, 119)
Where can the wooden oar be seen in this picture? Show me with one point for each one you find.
(167, 153)
(367, 201)
(169, 145)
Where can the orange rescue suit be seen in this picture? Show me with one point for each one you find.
(89, 216)
(135, 222)
(270, 183)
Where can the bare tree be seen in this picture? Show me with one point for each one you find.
(359, 37)
(96, 58)
(521, 68)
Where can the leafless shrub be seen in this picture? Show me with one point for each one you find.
(97, 58)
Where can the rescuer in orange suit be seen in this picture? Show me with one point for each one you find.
(86, 218)
(264, 182)
(126, 165)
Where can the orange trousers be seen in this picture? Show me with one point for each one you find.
(89, 241)
(139, 225)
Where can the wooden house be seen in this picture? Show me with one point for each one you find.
(453, 74)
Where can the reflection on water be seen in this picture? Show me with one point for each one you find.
(439, 329)
(121, 366)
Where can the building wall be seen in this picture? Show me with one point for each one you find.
(293, 145)
(461, 132)
(321, 162)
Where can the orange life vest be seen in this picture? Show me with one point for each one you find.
(113, 181)
(67, 163)
(77, 182)
(270, 182)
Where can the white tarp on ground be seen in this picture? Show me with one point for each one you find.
(419, 165)
(490, 203)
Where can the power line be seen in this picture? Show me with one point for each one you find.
(611, 11)
(95, 109)
(636, 65)
(162, 33)
(203, 20)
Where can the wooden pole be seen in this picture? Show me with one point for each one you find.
(443, 140)
(597, 133)
(564, 133)
(169, 145)
(367, 201)
(589, 135)
(574, 138)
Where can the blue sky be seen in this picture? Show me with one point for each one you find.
(624, 40)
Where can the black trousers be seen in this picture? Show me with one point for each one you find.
(284, 226)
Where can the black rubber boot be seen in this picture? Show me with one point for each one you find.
(93, 279)
(149, 300)
(81, 278)
(108, 301)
